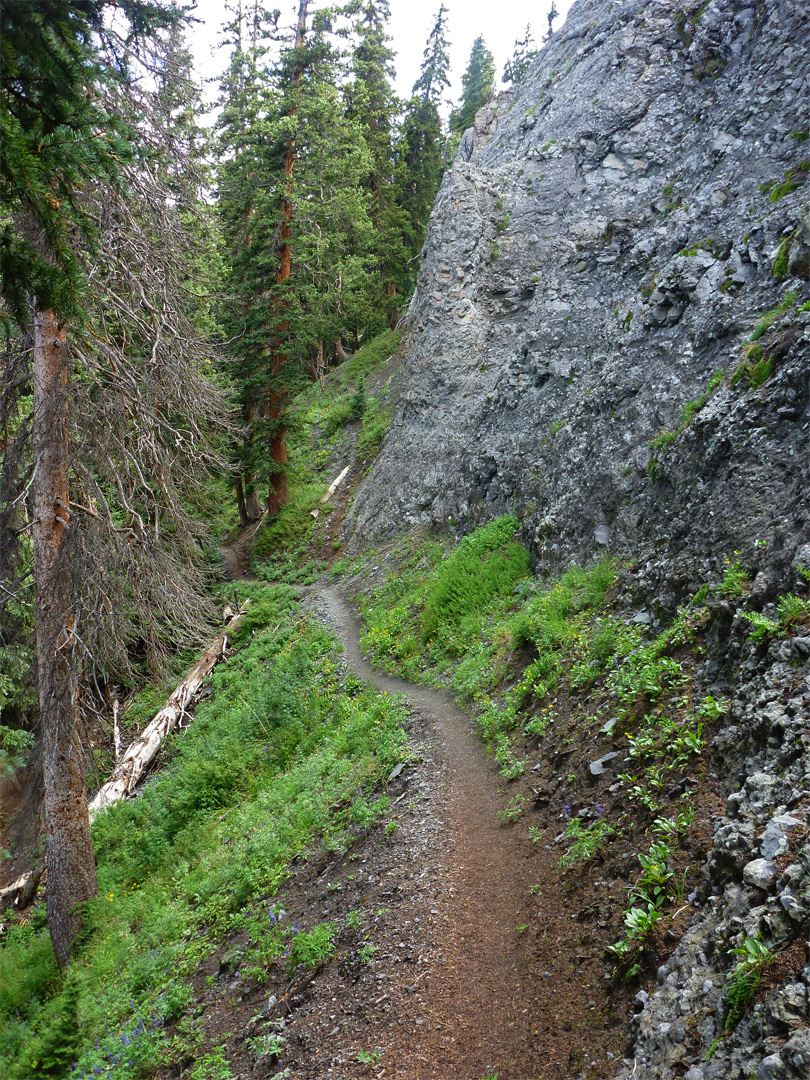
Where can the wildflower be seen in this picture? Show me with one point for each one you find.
(567, 810)
(124, 1039)
(295, 928)
(599, 808)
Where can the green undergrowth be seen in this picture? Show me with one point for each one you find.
(287, 753)
(666, 437)
(342, 397)
(560, 661)
(281, 551)
(474, 619)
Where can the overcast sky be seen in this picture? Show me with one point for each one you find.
(500, 22)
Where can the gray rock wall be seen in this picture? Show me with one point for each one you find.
(608, 240)
(608, 246)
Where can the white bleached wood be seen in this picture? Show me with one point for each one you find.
(335, 485)
(139, 754)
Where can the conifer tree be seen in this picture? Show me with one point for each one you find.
(259, 128)
(551, 16)
(312, 238)
(421, 145)
(242, 190)
(477, 85)
(523, 54)
(337, 262)
(373, 105)
(103, 443)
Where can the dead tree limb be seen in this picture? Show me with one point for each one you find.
(139, 754)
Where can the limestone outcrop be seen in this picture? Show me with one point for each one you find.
(604, 243)
(610, 338)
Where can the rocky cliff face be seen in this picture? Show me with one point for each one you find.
(611, 338)
(604, 243)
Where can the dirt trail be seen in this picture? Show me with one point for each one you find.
(500, 991)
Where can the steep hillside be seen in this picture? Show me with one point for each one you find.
(570, 496)
(610, 339)
(603, 246)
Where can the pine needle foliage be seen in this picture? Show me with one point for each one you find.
(56, 135)
(477, 84)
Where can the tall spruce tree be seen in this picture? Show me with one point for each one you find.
(258, 151)
(241, 185)
(522, 55)
(94, 324)
(337, 267)
(311, 240)
(420, 150)
(477, 84)
(373, 106)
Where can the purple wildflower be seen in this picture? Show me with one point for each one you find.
(295, 928)
(599, 808)
(567, 810)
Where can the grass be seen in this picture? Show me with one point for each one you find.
(664, 439)
(766, 321)
(282, 550)
(746, 978)
(285, 754)
(462, 617)
(793, 179)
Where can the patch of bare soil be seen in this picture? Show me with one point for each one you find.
(236, 550)
(473, 956)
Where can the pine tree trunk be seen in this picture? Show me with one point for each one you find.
(240, 503)
(246, 497)
(71, 866)
(279, 492)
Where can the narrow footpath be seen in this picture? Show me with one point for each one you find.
(496, 986)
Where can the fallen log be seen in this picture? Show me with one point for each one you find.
(22, 890)
(131, 766)
(336, 484)
(140, 754)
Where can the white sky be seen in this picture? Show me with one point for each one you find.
(500, 22)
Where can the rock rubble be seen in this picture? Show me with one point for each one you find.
(610, 338)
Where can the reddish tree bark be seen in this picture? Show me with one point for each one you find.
(70, 861)
(279, 492)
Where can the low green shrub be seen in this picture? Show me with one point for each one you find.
(285, 753)
(337, 416)
(486, 564)
(375, 425)
(585, 840)
(290, 527)
(370, 357)
(746, 978)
